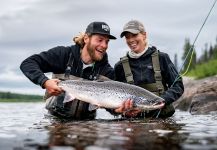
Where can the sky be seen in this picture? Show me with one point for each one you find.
(29, 27)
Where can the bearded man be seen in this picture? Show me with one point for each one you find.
(87, 59)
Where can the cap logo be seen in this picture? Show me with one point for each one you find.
(105, 27)
(131, 24)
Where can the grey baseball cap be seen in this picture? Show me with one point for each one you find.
(99, 28)
(133, 26)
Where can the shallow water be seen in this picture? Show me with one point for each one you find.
(24, 126)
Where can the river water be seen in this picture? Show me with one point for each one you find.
(25, 126)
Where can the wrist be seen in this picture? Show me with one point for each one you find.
(43, 85)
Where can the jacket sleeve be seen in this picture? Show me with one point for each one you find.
(35, 66)
(172, 79)
(119, 72)
(108, 71)
(105, 68)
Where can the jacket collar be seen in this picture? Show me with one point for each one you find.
(148, 52)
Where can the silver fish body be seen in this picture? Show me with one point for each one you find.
(110, 94)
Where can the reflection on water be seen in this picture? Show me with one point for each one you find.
(24, 126)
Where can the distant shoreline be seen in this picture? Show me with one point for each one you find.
(20, 100)
(16, 97)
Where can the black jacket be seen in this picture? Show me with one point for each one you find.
(142, 70)
(55, 60)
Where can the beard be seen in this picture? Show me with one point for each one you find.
(91, 51)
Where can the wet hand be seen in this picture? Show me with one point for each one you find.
(133, 112)
(52, 87)
(127, 109)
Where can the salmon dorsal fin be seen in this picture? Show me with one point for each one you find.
(63, 77)
(102, 78)
(72, 77)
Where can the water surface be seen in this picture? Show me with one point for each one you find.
(25, 126)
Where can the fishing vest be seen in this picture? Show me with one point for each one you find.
(65, 76)
(75, 109)
(157, 87)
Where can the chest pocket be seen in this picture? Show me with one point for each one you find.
(147, 74)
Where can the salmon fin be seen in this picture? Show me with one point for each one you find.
(92, 107)
(68, 97)
(102, 78)
(72, 77)
(62, 77)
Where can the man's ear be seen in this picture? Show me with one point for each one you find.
(86, 38)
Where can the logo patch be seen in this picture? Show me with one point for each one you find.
(105, 27)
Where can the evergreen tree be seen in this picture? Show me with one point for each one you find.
(215, 50)
(204, 57)
(194, 60)
(211, 52)
(187, 55)
(176, 61)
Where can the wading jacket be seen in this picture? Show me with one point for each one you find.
(56, 60)
(65, 61)
(143, 73)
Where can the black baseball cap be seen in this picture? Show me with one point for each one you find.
(99, 28)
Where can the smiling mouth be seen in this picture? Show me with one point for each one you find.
(100, 51)
(133, 45)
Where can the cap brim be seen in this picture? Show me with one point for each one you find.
(112, 37)
(129, 30)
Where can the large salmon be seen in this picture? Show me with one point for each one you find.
(110, 94)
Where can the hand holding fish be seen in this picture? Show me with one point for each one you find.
(52, 87)
(127, 109)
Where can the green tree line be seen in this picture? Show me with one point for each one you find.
(21, 97)
(203, 66)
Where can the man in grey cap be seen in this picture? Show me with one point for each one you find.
(87, 59)
(148, 68)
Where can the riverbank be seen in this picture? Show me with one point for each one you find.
(200, 96)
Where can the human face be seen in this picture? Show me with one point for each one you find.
(136, 42)
(97, 46)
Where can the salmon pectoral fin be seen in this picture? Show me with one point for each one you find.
(68, 97)
(92, 107)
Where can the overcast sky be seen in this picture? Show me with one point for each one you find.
(31, 26)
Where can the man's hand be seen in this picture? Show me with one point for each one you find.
(127, 109)
(52, 87)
